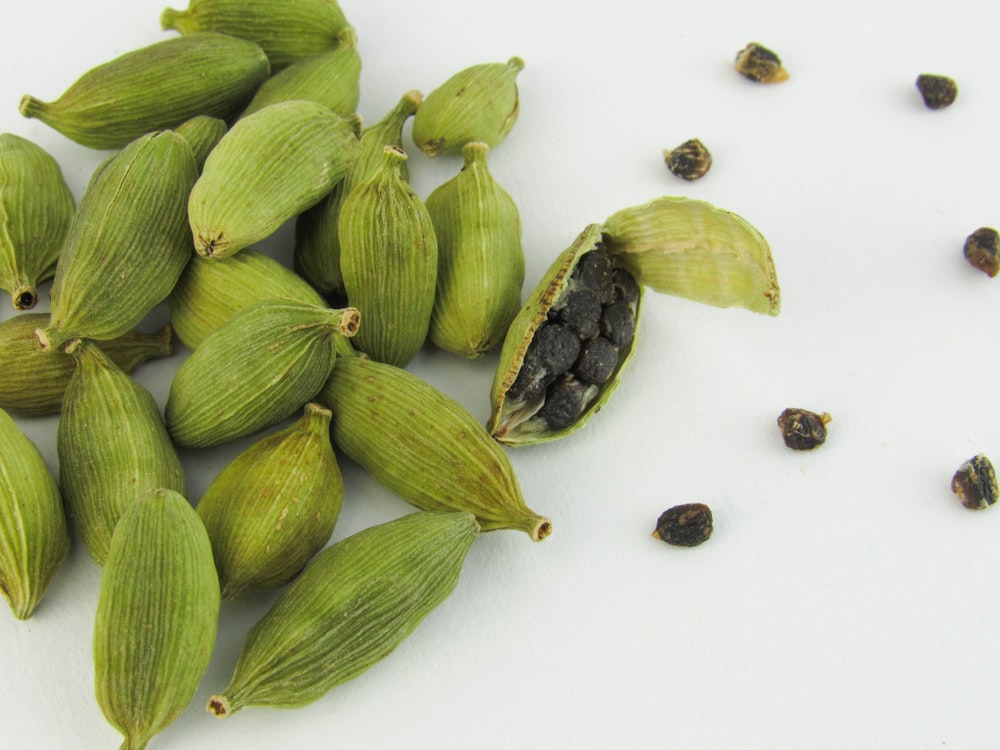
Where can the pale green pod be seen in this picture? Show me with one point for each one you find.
(157, 616)
(112, 447)
(480, 259)
(389, 262)
(354, 604)
(36, 206)
(36, 383)
(127, 243)
(479, 103)
(262, 366)
(34, 535)
(155, 88)
(271, 166)
(210, 292)
(287, 30)
(331, 78)
(202, 134)
(424, 445)
(317, 244)
(692, 249)
(274, 506)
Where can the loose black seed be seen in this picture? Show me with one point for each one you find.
(938, 92)
(580, 311)
(685, 525)
(531, 380)
(598, 360)
(626, 287)
(760, 64)
(982, 250)
(803, 430)
(689, 161)
(594, 271)
(975, 483)
(618, 323)
(557, 348)
(564, 403)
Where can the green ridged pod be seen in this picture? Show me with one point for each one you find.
(202, 133)
(36, 385)
(112, 447)
(389, 261)
(271, 166)
(479, 103)
(424, 445)
(36, 206)
(332, 79)
(34, 535)
(354, 604)
(287, 30)
(274, 506)
(210, 292)
(157, 616)
(155, 88)
(480, 260)
(317, 245)
(127, 244)
(263, 365)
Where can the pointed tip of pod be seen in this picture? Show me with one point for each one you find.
(542, 530)
(24, 297)
(516, 63)
(350, 321)
(173, 20)
(218, 706)
(51, 339)
(32, 107)
(412, 99)
(213, 245)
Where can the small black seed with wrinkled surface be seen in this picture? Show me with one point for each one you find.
(685, 525)
(689, 161)
(618, 323)
(938, 92)
(760, 64)
(597, 361)
(557, 348)
(594, 272)
(803, 430)
(975, 483)
(581, 312)
(531, 381)
(626, 287)
(982, 250)
(564, 403)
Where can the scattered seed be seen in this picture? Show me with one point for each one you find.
(685, 525)
(938, 91)
(982, 250)
(760, 64)
(803, 430)
(689, 161)
(975, 483)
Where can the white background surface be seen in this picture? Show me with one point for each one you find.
(846, 600)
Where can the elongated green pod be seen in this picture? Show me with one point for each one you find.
(317, 243)
(155, 88)
(389, 261)
(202, 133)
(480, 260)
(356, 602)
(274, 506)
(263, 365)
(36, 206)
(210, 292)
(331, 78)
(424, 445)
(692, 249)
(287, 30)
(127, 243)
(112, 447)
(34, 535)
(270, 167)
(479, 103)
(157, 616)
(34, 382)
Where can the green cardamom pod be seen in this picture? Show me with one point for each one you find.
(692, 249)
(157, 616)
(262, 366)
(287, 30)
(210, 292)
(274, 506)
(112, 447)
(317, 244)
(424, 446)
(480, 260)
(155, 88)
(36, 381)
(479, 103)
(202, 134)
(270, 167)
(332, 79)
(127, 243)
(389, 261)
(350, 608)
(36, 206)
(34, 535)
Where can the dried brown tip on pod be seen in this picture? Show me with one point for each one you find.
(803, 430)
(760, 64)
(689, 161)
(937, 91)
(685, 525)
(975, 483)
(982, 250)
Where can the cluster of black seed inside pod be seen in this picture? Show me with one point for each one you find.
(577, 350)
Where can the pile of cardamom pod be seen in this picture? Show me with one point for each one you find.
(243, 122)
